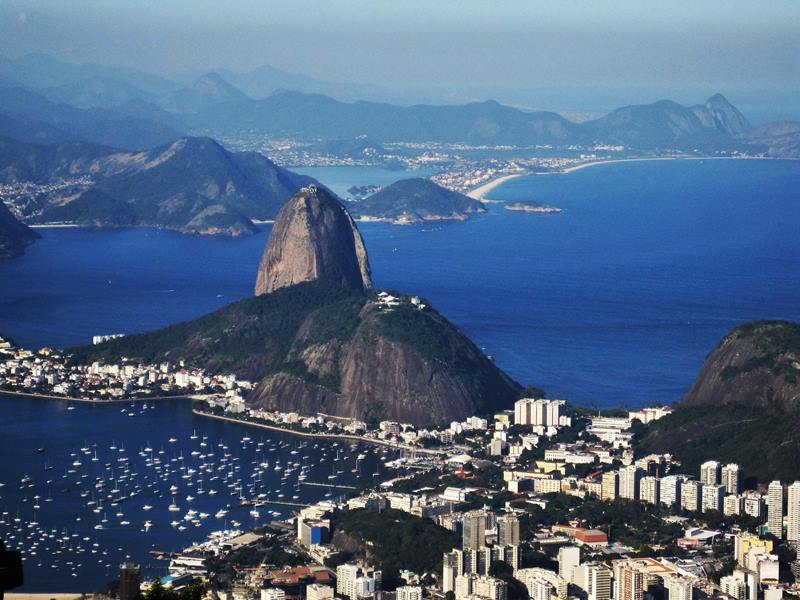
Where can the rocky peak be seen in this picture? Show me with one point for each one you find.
(313, 239)
(757, 365)
(719, 114)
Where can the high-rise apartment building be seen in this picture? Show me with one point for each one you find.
(670, 489)
(713, 495)
(609, 486)
(732, 477)
(629, 478)
(710, 472)
(508, 530)
(569, 557)
(691, 495)
(678, 587)
(775, 509)
(648, 490)
(474, 530)
(629, 581)
(793, 513)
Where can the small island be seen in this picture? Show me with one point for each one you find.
(413, 201)
(532, 207)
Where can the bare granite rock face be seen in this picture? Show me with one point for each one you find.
(313, 239)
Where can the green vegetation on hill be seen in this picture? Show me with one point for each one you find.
(252, 337)
(779, 343)
(766, 443)
(415, 200)
(394, 540)
(743, 407)
(312, 346)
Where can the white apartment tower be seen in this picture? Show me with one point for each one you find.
(713, 496)
(793, 513)
(409, 592)
(710, 472)
(670, 489)
(629, 478)
(775, 509)
(732, 476)
(648, 490)
(691, 495)
(569, 557)
(678, 587)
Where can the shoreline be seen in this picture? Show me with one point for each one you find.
(54, 225)
(326, 436)
(308, 434)
(480, 192)
(35, 396)
(612, 161)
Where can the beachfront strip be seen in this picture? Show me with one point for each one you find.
(545, 496)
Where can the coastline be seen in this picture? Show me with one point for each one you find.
(658, 158)
(33, 396)
(54, 225)
(480, 192)
(325, 436)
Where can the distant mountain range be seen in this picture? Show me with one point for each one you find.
(129, 109)
(192, 185)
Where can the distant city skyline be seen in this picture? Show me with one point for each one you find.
(585, 55)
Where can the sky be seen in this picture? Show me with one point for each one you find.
(473, 47)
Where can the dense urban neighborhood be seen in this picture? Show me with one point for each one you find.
(543, 501)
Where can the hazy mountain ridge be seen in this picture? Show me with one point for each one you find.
(106, 126)
(280, 104)
(193, 185)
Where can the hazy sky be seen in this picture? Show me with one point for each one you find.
(726, 44)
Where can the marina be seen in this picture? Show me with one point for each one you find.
(103, 487)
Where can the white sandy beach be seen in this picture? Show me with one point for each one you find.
(479, 192)
(624, 160)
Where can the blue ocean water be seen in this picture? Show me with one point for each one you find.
(615, 301)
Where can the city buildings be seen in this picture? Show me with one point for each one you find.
(629, 478)
(649, 489)
(793, 513)
(473, 530)
(713, 495)
(691, 495)
(610, 486)
(710, 472)
(775, 509)
(569, 557)
(732, 477)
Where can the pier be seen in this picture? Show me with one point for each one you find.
(330, 485)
